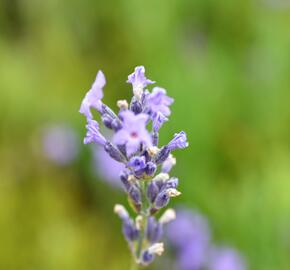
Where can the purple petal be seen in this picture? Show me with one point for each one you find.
(138, 77)
(93, 96)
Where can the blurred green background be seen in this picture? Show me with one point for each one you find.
(226, 63)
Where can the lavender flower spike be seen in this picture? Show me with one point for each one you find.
(94, 96)
(93, 134)
(138, 81)
(133, 132)
(135, 148)
(178, 142)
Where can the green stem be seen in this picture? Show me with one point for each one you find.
(134, 265)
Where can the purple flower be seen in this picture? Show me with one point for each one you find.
(193, 257)
(107, 168)
(226, 258)
(133, 132)
(190, 235)
(60, 144)
(94, 96)
(158, 101)
(158, 120)
(138, 81)
(137, 163)
(93, 133)
(178, 142)
(188, 227)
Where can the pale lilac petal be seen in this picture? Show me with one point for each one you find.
(93, 134)
(178, 142)
(138, 77)
(98, 84)
(132, 147)
(158, 120)
(138, 81)
(121, 137)
(93, 97)
(158, 101)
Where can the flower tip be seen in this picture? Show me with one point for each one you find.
(172, 192)
(139, 222)
(121, 211)
(168, 216)
(153, 150)
(122, 104)
(156, 249)
(100, 79)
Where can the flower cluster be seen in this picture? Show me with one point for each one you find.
(190, 237)
(146, 165)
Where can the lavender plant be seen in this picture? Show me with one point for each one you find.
(146, 177)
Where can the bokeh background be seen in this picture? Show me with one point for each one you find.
(226, 63)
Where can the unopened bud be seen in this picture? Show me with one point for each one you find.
(122, 104)
(152, 151)
(168, 164)
(121, 211)
(139, 222)
(168, 216)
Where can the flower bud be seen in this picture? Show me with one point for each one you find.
(129, 230)
(114, 152)
(150, 168)
(152, 191)
(168, 216)
(154, 230)
(162, 155)
(161, 177)
(116, 124)
(124, 176)
(136, 106)
(157, 248)
(122, 104)
(121, 211)
(172, 183)
(135, 195)
(168, 164)
(162, 199)
(149, 254)
(107, 120)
